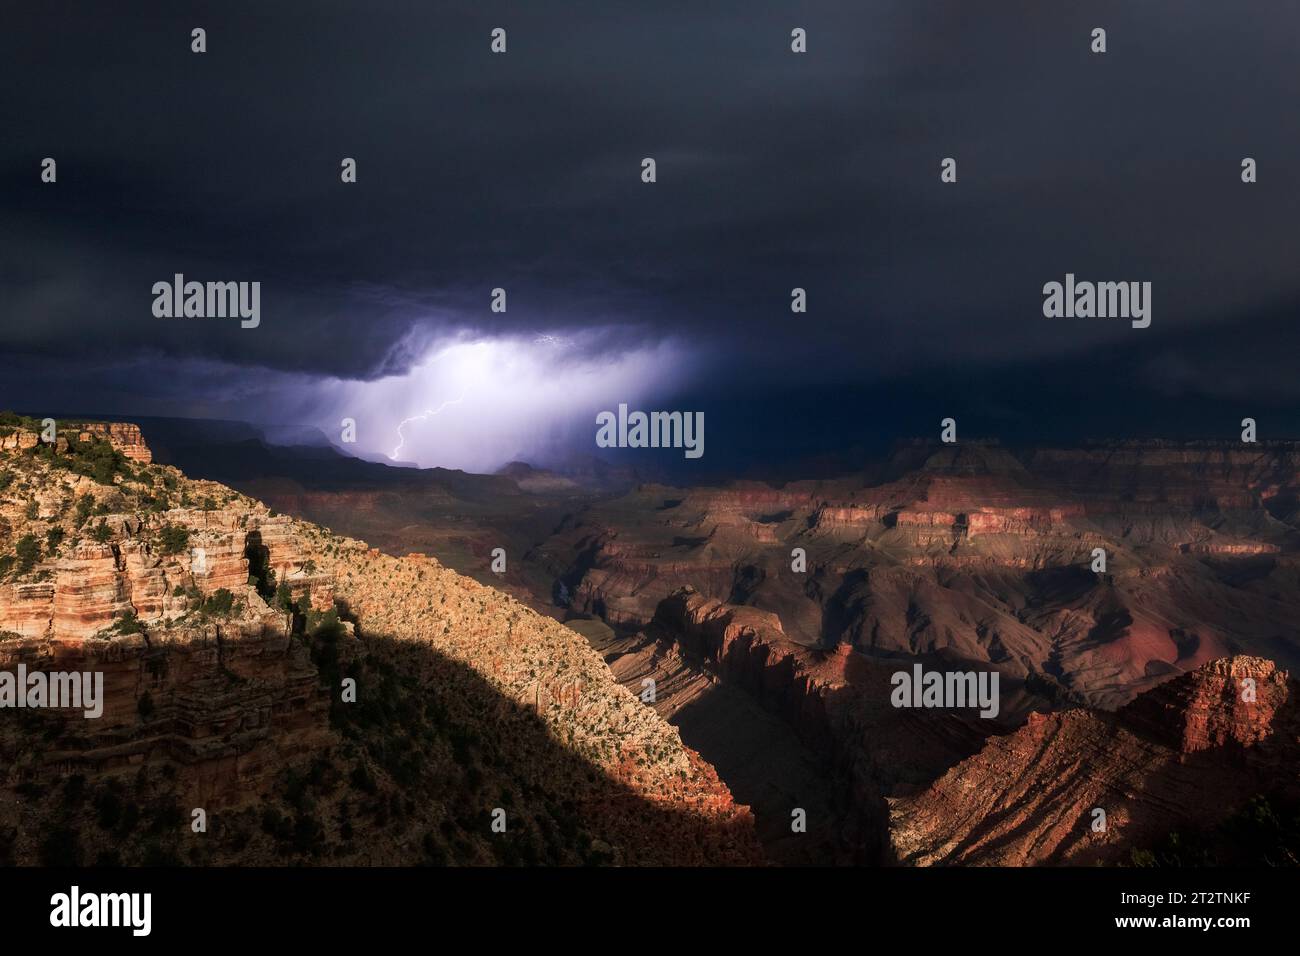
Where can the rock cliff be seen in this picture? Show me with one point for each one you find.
(314, 698)
(1084, 787)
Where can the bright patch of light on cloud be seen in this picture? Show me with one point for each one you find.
(476, 405)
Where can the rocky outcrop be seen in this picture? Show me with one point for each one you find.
(1231, 703)
(95, 584)
(123, 436)
(1084, 787)
(19, 440)
(831, 518)
(91, 590)
(27, 609)
(436, 700)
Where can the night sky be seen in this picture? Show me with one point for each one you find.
(775, 170)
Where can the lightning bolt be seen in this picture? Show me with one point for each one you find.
(426, 414)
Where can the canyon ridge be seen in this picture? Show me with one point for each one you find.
(658, 674)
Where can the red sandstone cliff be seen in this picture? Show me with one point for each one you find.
(125, 437)
(222, 697)
(1184, 754)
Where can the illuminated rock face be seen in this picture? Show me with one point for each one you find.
(94, 584)
(548, 668)
(1234, 703)
(125, 437)
(91, 590)
(27, 609)
(1182, 755)
(224, 701)
(19, 440)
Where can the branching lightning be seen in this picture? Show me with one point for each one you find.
(427, 414)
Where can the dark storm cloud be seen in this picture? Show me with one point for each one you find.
(522, 171)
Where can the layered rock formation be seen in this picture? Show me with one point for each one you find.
(980, 553)
(1083, 787)
(720, 668)
(19, 440)
(95, 583)
(394, 736)
(225, 704)
(123, 436)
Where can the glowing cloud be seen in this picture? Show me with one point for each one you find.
(476, 405)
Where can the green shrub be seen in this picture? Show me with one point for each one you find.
(283, 599)
(29, 552)
(218, 604)
(85, 505)
(128, 623)
(97, 459)
(174, 539)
